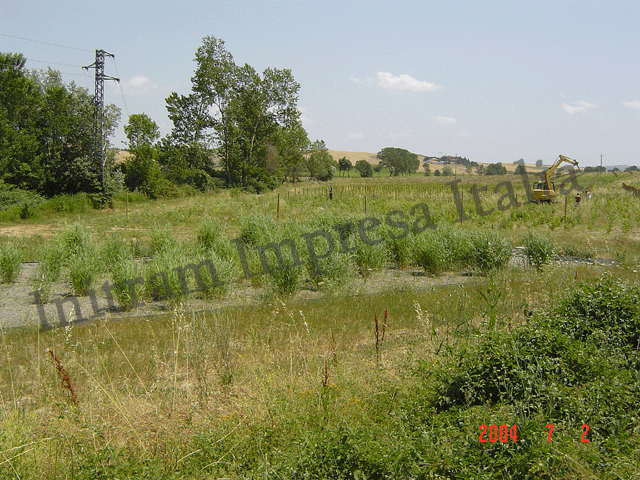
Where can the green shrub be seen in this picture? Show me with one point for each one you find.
(162, 240)
(257, 229)
(113, 250)
(440, 250)
(488, 251)
(84, 267)
(400, 250)
(225, 270)
(369, 258)
(607, 313)
(163, 280)
(52, 257)
(73, 239)
(538, 249)
(286, 280)
(10, 262)
(209, 237)
(330, 272)
(125, 277)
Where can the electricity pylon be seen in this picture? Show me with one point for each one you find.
(99, 147)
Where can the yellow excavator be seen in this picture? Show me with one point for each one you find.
(545, 191)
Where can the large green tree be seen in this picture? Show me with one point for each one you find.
(241, 114)
(320, 163)
(398, 160)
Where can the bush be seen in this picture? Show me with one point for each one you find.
(607, 313)
(127, 288)
(400, 250)
(84, 267)
(114, 250)
(440, 250)
(257, 229)
(163, 280)
(488, 251)
(209, 237)
(10, 262)
(73, 239)
(538, 249)
(162, 240)
(330, 272)
(369, 258)
(226, 272)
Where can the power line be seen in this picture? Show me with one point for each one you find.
(124, 102)
(53, 63)
(46, 43)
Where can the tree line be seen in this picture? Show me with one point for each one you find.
(236, 128)
(46, 131)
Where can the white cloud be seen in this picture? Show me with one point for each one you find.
(579, 107)
(404, 82)
(139, 85)
(355, 135)
(445, 120)
(634, 104)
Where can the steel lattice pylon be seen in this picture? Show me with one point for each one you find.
(99, 147)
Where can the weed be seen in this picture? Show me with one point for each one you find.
(64, 377)
(10, 262)
(488, 251)
(538, 249)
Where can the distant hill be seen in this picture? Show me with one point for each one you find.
(372, 158)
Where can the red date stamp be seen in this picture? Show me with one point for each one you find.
(505, 433)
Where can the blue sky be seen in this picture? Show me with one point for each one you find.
(492, 81)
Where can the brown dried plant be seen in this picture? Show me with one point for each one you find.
(64, 376)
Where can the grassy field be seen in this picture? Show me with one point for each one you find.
(530, 317)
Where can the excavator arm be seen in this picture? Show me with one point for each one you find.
(555, 165)
(544, 191)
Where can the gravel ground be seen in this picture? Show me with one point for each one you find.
(18, 308)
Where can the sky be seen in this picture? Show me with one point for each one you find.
(493, 81)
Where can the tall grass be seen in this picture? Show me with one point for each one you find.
(10, 262)
(538, 248)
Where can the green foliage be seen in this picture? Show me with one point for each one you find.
(257, 229)
(250, 116)
(10, 262)
(488, 251)
(330, 272)
(84, 267)
(577, 362)
(439, 250)
(398, 160)
(344, 165)
(538, 249)
(495, 169)
(369, 258)
(141, 130)
(126, 285)
(364, 168)
(605, 314)
(319, 162)
(142, 173)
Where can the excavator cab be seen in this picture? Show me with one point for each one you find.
(542, 194)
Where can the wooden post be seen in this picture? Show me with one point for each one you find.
(126, 208)
(565, 209)
(278, 208)
(365, 204)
